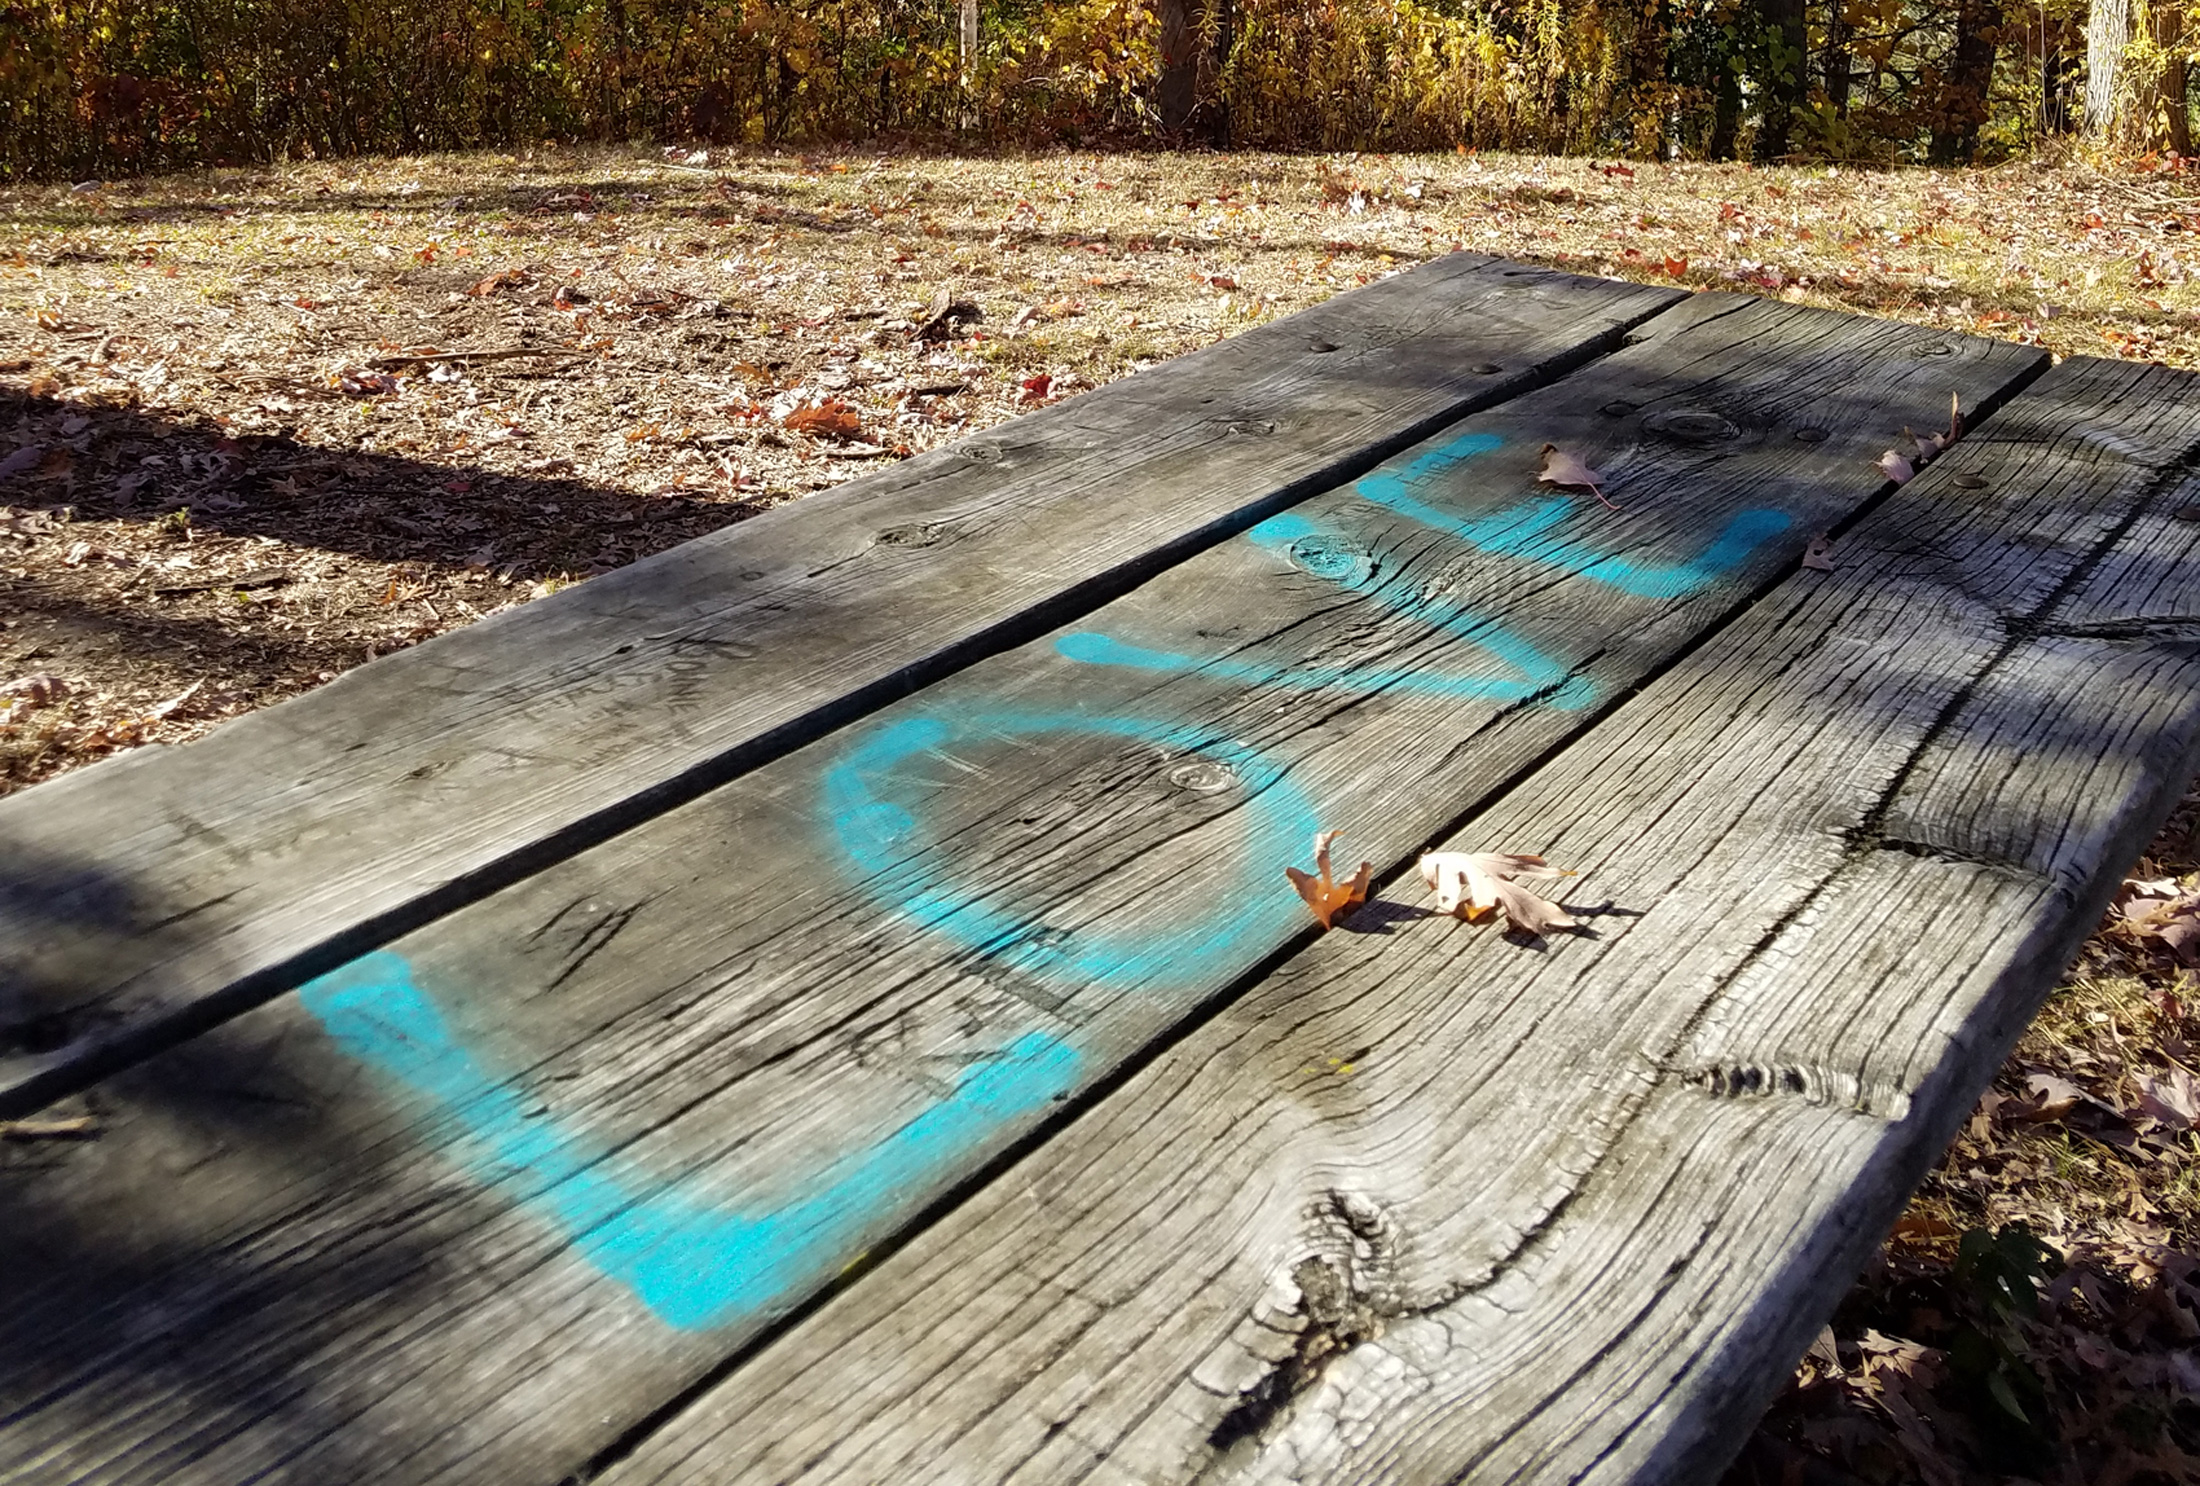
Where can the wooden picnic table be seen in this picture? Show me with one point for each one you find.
(825, 1002)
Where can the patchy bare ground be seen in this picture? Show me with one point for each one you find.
(238, 454)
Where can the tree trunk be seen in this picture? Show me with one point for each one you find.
(2170, 30)
(1785, 40)
(1178, 93)
(2107, 33)
(1963, 97)
(1726, 112)
(1840, 64)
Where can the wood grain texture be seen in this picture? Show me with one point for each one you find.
(729, 1013)
(1430, 1206)
(151, 893)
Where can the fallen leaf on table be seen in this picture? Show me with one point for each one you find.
(1955, 418)
(1329, 898)
(1563, 469)
(1473, 885)
(1819, 554)
(1928, 444)
(1896, 468)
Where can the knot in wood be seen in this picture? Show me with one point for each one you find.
(1332, 558)
(1692, 426)
(921, 534)
(1202, 777)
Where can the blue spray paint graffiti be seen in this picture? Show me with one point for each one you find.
(692, 1266)
(1317, 551)
(695, 1266)
(874, 830)
(1523, 531)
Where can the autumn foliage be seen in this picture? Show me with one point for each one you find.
(95, 87)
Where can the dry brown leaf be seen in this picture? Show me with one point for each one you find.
(1329, 898)
(1473, 885)
(2056, 1096)
(828, 420)
(510, 278)
(36, 691)
(1819, 554)
(1564, 470)
(2171, 1099)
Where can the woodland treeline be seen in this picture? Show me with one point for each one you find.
(92, 87)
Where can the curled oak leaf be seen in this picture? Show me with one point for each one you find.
(1473, 885)
(1329, 898)
(1819, 554)
(1896, 468)
(1564, 470)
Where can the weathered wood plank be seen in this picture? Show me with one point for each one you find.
(170, 885)
(1430, 1206)
(580, 1139)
